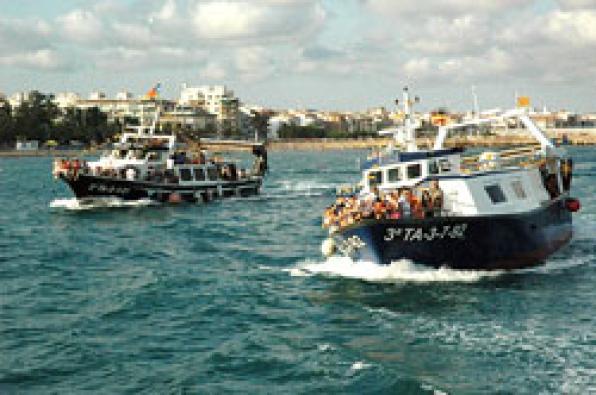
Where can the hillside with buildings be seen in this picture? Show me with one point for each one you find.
(66, 118)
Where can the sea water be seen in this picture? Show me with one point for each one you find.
(233, 297)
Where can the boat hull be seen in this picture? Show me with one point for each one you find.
(91, 187)
(508, 241)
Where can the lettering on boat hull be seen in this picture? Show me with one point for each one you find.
(414, 234)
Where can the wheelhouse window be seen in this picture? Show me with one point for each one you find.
(374, 178)
(433, 167)
(444, 165)
(199, 174)
(518, 189)
(185, 175)
(414, 171)
(212, 173)
(394, 174)
(495, 193)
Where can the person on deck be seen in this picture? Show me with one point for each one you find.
(404, 203)
(566, 173)
(427, 204)
(436, 195)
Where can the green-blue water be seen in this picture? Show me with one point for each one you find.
(233, 297)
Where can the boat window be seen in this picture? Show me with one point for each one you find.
(199, 174)
(414, 171)
(394, 174)
(212, 173)
(374, 178)
(185, 175)
(433, 167)
(153, 156)
(495, 193)
(444, 165)
(518, 189)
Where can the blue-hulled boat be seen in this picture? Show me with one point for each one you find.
(497, 210)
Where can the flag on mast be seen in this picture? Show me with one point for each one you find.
(154, 92)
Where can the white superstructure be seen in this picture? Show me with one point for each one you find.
(487, 184)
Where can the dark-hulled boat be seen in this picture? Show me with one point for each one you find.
(498, 210)
(145, 165)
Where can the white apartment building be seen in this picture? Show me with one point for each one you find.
(124, 95)
(217, 100)
(97, 95)
(16, 99)
(66, 99)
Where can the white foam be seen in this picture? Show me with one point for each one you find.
(359, 365)
(402, 270)
(557, 264)
(303, 188)
(76, 204)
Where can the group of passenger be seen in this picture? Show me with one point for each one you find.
(415, 202)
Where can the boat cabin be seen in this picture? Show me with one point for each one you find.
(407, 169)
(489, 183)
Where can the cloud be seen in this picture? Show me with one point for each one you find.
(444, 8)
(265, 21)
(152, 58)
(254, 63)
(28, 43)
(576, 4)
(24, 34)
(437, 35)
(318, 52)
(43, 59)
(212, 71)
(81, 26)
(571, 27)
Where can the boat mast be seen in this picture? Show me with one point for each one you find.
(409, 129)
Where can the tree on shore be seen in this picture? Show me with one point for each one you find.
(33, 119)
(38, 118)
(6, 124)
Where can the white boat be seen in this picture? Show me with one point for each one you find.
(496, 210)
(145, 165)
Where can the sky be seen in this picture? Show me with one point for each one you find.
(323, 54)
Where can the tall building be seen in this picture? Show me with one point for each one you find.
(217, 100)
(16, 99)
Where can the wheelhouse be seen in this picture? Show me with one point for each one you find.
(409, 170)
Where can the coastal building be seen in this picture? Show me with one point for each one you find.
(544, 120)
(27, 145)
(123, 111)
(277, 122)
(217, 100)
(124, 95)
(97, 95)
(66, 99)
(193, 121)
(16, 99)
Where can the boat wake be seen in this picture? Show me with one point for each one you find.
(399, 271)
(75, 204)
(291, 187)
(300, 189)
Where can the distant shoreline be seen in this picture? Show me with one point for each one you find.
(327, 144)
(45, 153)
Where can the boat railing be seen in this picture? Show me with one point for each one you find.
(524, 157)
